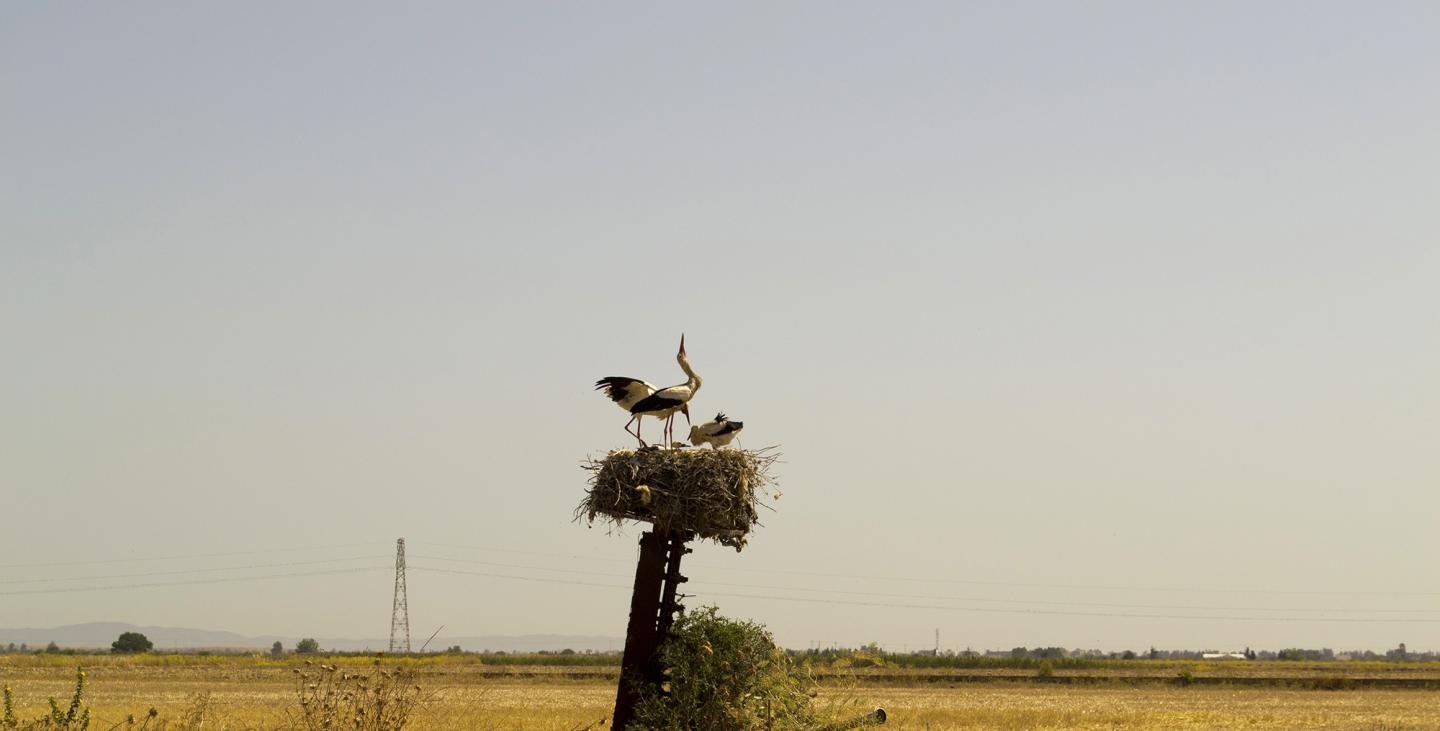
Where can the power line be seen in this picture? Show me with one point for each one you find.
(895, 595)
(807, 600)
(194, 582)
(1177, 589)
(991, 600)
(957, 598)
(518, 566)
(897, 605)
(944, 580)
(536, 579)
(1066, 603)
(53, 580)
(191, 556)
(495, 549)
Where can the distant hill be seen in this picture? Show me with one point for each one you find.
(101, 634)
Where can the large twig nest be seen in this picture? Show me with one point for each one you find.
(714, 493)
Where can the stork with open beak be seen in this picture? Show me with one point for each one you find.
(666, 402)
(642, 399)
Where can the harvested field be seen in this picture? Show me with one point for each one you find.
(1011, 706)
(251, 692)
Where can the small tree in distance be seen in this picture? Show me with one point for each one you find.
(307, 646)
(277, 649)
(130, 643)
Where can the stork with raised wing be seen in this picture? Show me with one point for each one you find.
(626, 392)
(642, 399)
(717, 433)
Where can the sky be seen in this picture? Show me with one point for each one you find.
(1102, 325)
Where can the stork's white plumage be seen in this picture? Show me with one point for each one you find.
(626, 392)
(642, 399)
(668, 401)
(717, 433)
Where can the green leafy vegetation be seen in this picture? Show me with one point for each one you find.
(131, 642)
(726, 674)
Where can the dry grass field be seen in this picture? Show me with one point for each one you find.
(255, 692)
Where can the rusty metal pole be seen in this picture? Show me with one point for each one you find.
(675, 550)
(642, 636)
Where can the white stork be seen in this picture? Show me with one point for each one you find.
(642, 399)
(717, 433)
(626, 392)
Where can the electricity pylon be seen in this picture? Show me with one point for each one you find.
(400, 613)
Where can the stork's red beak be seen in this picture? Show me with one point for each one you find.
(682, 344)
(686, 411)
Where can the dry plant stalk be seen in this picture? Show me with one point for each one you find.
(330, 698)
(76, 718)
(714, 493)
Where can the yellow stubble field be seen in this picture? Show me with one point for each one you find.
(252, 692)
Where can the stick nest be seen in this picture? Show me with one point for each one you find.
(714, 493)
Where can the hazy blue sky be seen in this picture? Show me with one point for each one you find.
(1069, 309)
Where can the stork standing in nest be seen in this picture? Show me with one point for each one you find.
(718, 433)
(642, 399)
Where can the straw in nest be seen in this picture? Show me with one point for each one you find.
(714, 493)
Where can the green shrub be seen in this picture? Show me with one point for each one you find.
(726, 675)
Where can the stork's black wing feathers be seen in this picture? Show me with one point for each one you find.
(654, 402)
(616, 387)
(730, 426)
(721, 417)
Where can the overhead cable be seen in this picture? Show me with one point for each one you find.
(138, 559)
(179, 572)
(193, 582)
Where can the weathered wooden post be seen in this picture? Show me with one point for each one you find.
(683, 494)
(642, 636)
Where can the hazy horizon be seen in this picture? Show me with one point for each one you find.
(99, 635)
(1106, 326)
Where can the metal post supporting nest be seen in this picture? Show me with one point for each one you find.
(684, 494)
(675, 549)
(652, 612)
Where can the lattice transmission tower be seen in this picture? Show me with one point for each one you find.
(400, 613)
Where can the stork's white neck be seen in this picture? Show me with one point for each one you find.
(694, 380)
